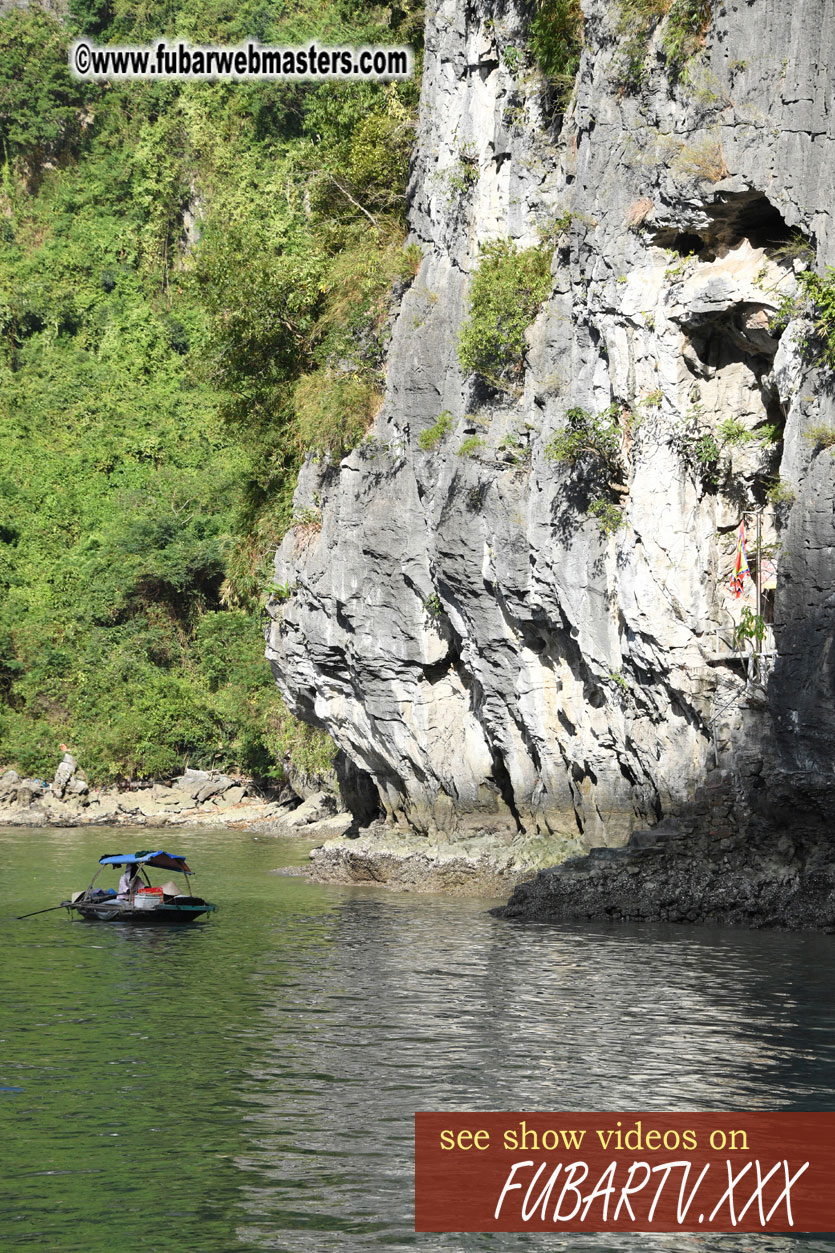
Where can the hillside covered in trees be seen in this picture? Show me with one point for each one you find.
(196, 284)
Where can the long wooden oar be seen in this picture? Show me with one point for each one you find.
(20, 917)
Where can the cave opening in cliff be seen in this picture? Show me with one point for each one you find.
(740, 339)
(358, 791)
(740, 335)
(749, 216)
(688, 244)
(734, 218)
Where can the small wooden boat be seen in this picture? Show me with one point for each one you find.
(143, 904)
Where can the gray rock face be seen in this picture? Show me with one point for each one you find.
(313, 810)
(193, 781)
(66, 769)
(484, 654)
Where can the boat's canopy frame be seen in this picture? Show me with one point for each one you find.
(159, 859)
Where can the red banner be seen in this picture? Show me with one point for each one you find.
(624, 1172)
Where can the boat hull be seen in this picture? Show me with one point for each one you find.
(165, 915)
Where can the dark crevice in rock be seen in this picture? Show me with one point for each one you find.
(650, 682)
(502, 780)
(343, 621)
(357, 791)
(734, 217)
(748, 215)
(627, 772)
(438, 670)
(581, 772)
(737, 335)
(534, 639)
(687, 244)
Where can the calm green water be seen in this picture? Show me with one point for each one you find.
(250, 1083)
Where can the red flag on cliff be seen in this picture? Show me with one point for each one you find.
(740, 564)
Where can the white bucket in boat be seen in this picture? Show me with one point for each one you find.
(148, 898)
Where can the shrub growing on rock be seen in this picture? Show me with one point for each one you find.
(586, 434)
(609, 517)
(334, 411)
(821, 436)
(685, 31)
(686, 25)
(557, 41)
(438, 431)
(820, 290)
(781, 493)
(507, 290)
(470, 446)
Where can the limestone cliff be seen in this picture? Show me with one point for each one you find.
(484, 652)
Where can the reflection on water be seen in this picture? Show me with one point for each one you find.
(250, 1083)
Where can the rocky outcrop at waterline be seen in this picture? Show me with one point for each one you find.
(196, 798)
(479, 865)
(697, 871)
(500, 640)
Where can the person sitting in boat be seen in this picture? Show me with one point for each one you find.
(128, 883)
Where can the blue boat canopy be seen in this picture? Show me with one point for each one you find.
(159, 859)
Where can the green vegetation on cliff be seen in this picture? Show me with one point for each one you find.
(195, 286)
(685, 24)
(557, 42)
(506, 293)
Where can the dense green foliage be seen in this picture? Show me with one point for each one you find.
(41, 106)
(685, 31)
(596, 439)
(557, 41)
(751, 627)
(160, 384)
(609, 517)
(334, 411)
(506, 292)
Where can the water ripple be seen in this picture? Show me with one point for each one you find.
(251, 1084)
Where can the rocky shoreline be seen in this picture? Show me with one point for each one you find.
(733, 857)
(775, 870)
(716, 861)
(480, 865)
(410, 863)
(376, 854)
(195, 798)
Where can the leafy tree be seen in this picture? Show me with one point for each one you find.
(598, 436)
(156, 389)
(40, 103)
(91, 17)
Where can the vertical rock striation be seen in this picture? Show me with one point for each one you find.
(482, 650)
